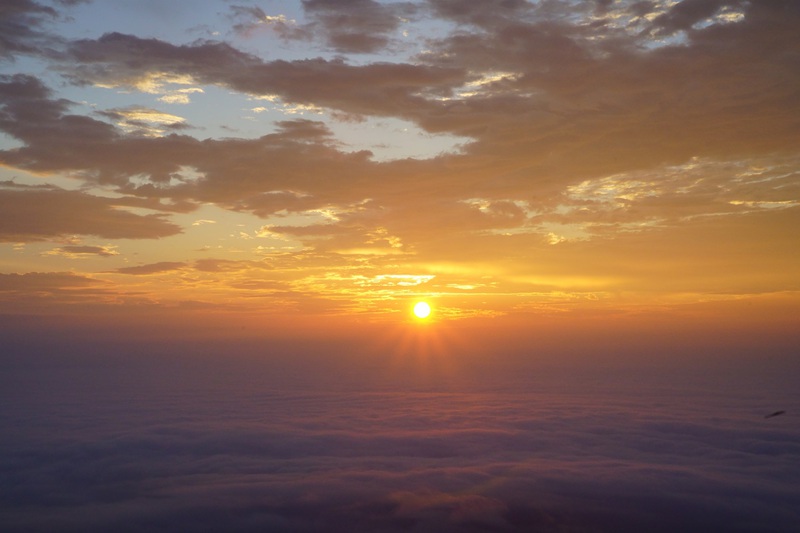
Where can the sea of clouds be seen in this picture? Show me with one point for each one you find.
(309, 443)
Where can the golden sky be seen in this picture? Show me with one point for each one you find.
(316, 165)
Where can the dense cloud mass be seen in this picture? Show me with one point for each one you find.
(247, 445)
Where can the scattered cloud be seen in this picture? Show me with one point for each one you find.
(83, 251)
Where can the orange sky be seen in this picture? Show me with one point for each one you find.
(528, 168)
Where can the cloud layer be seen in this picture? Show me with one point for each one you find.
(251, 444)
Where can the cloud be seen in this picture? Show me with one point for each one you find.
(483, 14)
(153, 268)
(598, 125)
(357, 26)
(572, 87)
(535, 126)
(31, 116)
(253, 443)
(145, 121)
(383, 89)
(82, 251)
(226, 265)
(43, 281)
(22, 25)
(248, 19)
(42, 294)
(346, 26)
(684, 16)
(46, 213)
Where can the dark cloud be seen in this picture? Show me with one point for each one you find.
(375, 89)
(29, 112)
(589, 101)
(684, 15)
(21, 27)
(482, 14)
(119, 57)
(40, 214)
(357, 26)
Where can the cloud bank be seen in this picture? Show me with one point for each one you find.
(249, 445)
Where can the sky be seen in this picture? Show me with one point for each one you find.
(315, 165)
(217, 216)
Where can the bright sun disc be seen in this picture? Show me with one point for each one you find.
(422, 310)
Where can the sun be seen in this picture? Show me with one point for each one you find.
(422, 310)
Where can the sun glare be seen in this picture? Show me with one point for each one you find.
(422, 310)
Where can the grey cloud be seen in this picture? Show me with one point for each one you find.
(380, 88)
(53, 139)
(579, 87)
(31, 112)
(40, 214)
(684, 15)
(106, 56)
(21, 27)
(357, 26)
(246, 18)
(485, 14)
(303, 129)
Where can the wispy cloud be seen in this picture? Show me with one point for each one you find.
(81, 251)
(153, 268)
